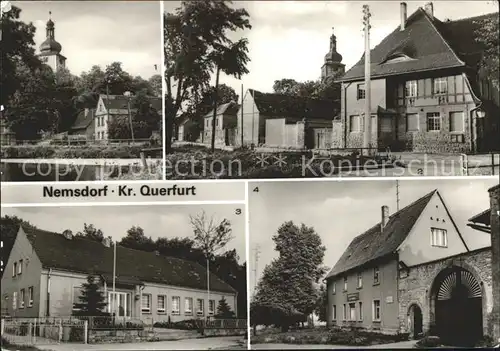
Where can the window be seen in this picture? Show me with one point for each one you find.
(376, 275)
(14, 300)
(199, 307)
(411, 88)
(30, 296)
(22, 295)
(345, 283)
(14, 269)
(176, 305)
(361, 91)
(334, 313)
(146, 303)
(334, 288)
(161, 304)
(120, 303)
(360, 314)
(376, 310)
(344, 312)
(457, 122)
(439, 237)
(433, 122)
(360, 280)
(354, 124)
(211, 306)
(412, 122)
(440, 86)
(352, 311)
(188, 305)
(20, 267)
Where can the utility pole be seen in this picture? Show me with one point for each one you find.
(367, 120)
(397, 195)
(256, 261)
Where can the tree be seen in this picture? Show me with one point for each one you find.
(91, 232)
(231, 59)
(91, 301)
(210, 237)
(326, 89)
(116, 80)
(17, 49)
(136, 239)
(155, 84)
(224, 310)
(487, 34)
(322, 303)
(190, 33)
(288, 283)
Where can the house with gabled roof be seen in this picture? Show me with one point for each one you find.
(285, 121)
(427, 90)
(488, 221)
(112, 106)
(84, 124)
(413, 273)
(45, 272)
(225, 125)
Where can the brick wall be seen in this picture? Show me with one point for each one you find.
(495, 259)
(416, 287)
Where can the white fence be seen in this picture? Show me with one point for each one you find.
(44, 331)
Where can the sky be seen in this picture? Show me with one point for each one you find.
(289, 39)
(101, 32)
(156, 220)
(340, 211)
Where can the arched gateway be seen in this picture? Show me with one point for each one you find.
(457, 299)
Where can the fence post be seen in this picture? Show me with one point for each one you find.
(493, 163)
(464, 165)
(60, 331)
(34, 331)
(85, 331)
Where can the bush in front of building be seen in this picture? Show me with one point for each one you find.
(71, 152)
(187, 324)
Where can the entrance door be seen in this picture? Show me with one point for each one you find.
(386, 131)
(459, 309)
(417, 322)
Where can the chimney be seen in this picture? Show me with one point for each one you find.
(385, 217)
(68, 234)
(403, 15)
(106, 242)
(429, 8)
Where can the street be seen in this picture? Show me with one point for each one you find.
(396, 345)
(229, 342)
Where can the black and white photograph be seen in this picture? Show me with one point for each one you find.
(266, 89)
(133, 277)
(374, 264)
(81, 91)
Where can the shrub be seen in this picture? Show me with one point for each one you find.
(428, 341)
(187, 324)
(76, 334)
(71, 152)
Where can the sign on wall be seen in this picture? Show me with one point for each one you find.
(353, 297)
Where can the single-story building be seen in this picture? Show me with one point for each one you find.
(84, 124)
(225, 125)
(285, 121)
(45, 272)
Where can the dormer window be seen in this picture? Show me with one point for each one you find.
(399, 57)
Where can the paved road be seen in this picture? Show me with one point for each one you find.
(397, 345)
(229, 342)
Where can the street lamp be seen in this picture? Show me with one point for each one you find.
(128, 94)
(480, 113)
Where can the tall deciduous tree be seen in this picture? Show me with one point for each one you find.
(289, 281)
(190, 36)
(91, 232)
(487, 35)
(136, 239)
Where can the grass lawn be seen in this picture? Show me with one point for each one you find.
(194, 162)
(325, 336)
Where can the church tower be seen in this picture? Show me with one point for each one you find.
(333, 61)
(50, 50)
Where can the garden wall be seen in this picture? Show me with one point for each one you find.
(119, 336)
(224, 332)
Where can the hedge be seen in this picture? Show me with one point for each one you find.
(71, 152)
